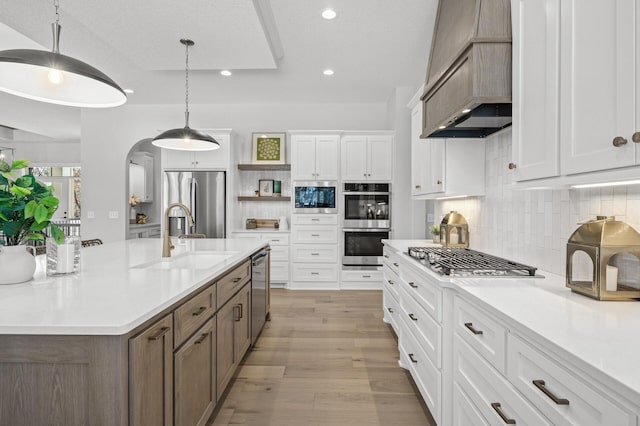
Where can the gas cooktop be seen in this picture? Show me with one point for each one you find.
(464, 262)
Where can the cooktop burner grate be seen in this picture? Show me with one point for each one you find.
(462, 262)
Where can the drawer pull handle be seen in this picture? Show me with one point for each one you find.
(390, 282)
(413, 317)
(315, 273)
(390, 310)
(315, 235)
(471, 328)
(386, 256)
(497, 409)
(235, 280)
(159, 334)
(415, 361)
(315, 254)
(413, 285)
(199, 311)
(201, 339)
(619, 141)
(395, 264)
(366, 276)
(540, 385)
(315, 220)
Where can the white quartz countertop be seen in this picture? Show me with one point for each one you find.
(112, 294)
(601, 337)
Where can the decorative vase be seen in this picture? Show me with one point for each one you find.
(17, 264)
(63, 258)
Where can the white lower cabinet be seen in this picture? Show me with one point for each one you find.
(279, 243)
(314, 249)
(490, 392)
(559, 393)
(465, 413)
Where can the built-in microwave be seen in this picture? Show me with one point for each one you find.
(314, 197)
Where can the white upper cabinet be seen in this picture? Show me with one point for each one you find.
(141, 176)
(420, 155)
(367, 157)
(218, 159)
(314, 157)
(536, 88)
(598, 106)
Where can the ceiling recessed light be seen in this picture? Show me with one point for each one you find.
(464, 111)
(226, 73)
(442, 127)
(129, 91)
(328, 72)
(329, 14)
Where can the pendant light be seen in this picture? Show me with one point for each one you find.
(56, 78)
(186, 138)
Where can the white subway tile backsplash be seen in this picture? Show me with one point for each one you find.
(533, 226)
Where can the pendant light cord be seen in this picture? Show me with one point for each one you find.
(186, 85)
(55, 27)
(56, 4)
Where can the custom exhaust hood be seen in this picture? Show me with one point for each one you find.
(468, 83)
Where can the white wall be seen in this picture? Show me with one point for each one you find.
(108, 135)
(46, 153)
(533, 226)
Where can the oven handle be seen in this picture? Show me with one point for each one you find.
(365, 193)
(366, 230)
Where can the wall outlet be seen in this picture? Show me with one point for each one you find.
(430, 218)
(113, 214)
(91, 214)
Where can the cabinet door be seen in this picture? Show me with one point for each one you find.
(437, 170)
(326, 158)
(216, 159)
(303, 158)
(195, 378)
(597, 102)
(172, 159)
(420, 154)
(136, 180)
(380, 158)
(151, 375)
(242, 333)
(147, 162)
(354, 158)
(536, 94)
(225, 354)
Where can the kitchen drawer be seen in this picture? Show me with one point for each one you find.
(489, 391)
(232, 282)
(193, 313)
(305, 253)
(315, 272)
(391, 281)
(279, 271)
(392, 259)
(465, 413)
(428, 295)
(277, 239)
(484, 334)
(314, 219)
(426, 376)
(582, 404)
(391, 311)
(315, 235)
(362, 275)
(426, 331)
(279, 253)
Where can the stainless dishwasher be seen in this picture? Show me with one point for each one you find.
(259, 292)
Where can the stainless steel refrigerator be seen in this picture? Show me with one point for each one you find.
(204, 194)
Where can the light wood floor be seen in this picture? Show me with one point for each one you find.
(325, 358)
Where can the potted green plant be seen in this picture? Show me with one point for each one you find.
(26, 209)
(435, 231)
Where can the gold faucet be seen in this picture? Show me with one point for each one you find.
(166, 245)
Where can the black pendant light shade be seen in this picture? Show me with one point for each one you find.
(186, 138)
(55, 78)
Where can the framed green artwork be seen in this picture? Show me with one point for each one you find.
(268, 148)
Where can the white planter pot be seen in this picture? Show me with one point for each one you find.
(17, 264)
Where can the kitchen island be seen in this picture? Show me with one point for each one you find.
(483, 350)
(130, 339)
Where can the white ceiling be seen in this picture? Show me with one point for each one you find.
(277, 49)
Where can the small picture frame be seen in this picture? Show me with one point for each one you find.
(268, 148)
(266, 187)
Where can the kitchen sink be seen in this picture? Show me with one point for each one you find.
(190, 260)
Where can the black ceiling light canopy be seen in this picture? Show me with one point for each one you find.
(186, 138)
(56, 78)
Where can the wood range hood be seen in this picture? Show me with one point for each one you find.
(468, 83)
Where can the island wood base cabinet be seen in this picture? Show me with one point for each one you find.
(171, 370)
(474, 367)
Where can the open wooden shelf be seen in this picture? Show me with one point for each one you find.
(264, 166)
(264, 198)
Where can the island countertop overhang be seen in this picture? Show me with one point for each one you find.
(112, 294)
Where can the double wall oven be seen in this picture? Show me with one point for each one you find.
(366, 222)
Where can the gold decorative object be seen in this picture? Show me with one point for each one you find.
(454, 230)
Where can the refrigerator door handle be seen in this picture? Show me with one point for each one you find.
(193, 199)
